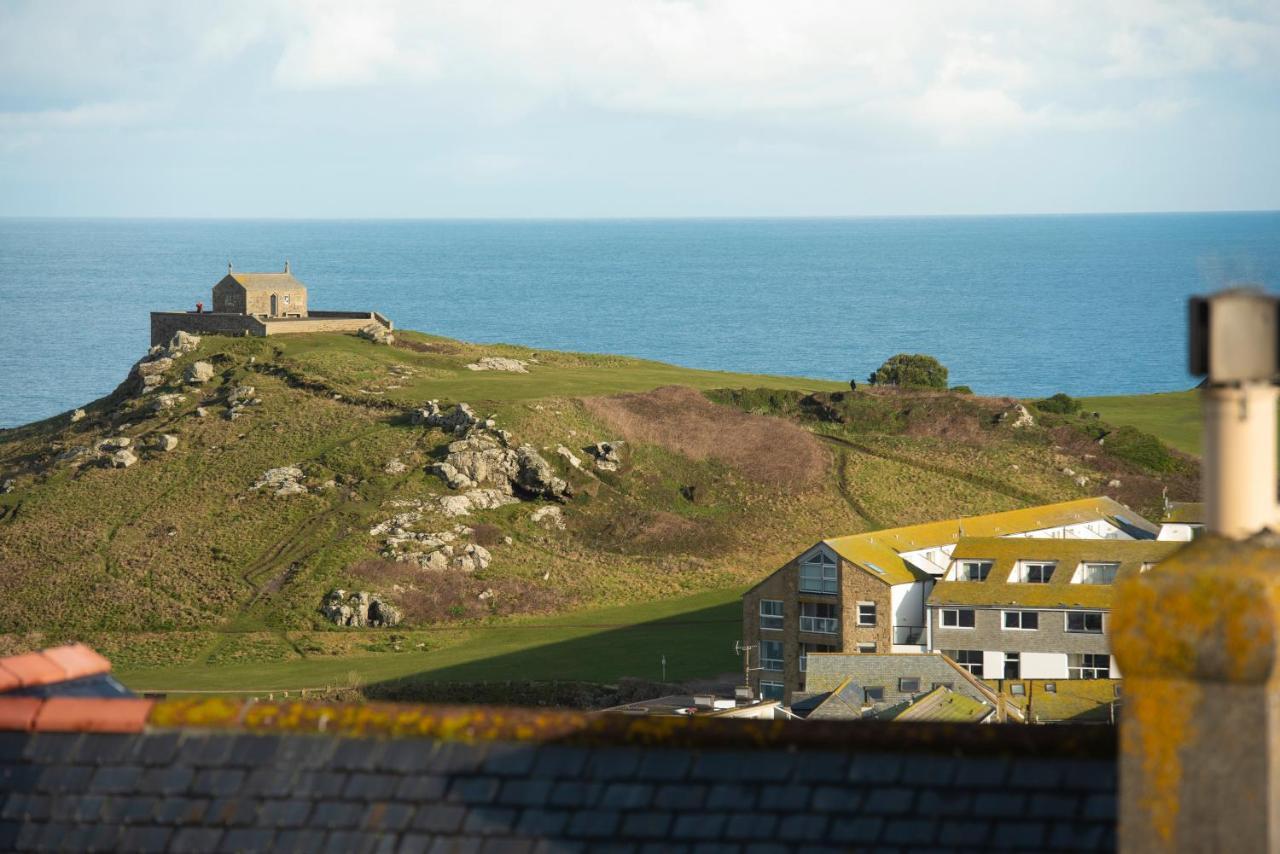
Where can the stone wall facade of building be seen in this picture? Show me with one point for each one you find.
(783, 586)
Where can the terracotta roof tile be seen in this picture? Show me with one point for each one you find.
(86, 714)
(18, 712)
(33, 668)
(78, 660)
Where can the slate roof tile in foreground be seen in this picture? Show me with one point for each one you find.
(455, 778)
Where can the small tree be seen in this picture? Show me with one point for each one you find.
(1060, 403)
(911, 371)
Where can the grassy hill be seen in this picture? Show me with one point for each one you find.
(190, 578)
(1173, 416)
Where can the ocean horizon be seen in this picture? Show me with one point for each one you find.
(1023, 305)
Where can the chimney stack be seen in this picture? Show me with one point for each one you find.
(1198, 637)
(1233, 345)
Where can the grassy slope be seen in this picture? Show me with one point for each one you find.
(189, 580)
(1174, 416)
(695, 633)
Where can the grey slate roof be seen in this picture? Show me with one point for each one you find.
(920, 786)
(827, 671)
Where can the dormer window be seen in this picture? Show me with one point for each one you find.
(971, 570)
(818, 574)
(1095, 573)
(1032, 572)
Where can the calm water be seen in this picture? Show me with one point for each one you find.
(1013, 305)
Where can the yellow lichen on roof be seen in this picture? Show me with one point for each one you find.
(943, 704)
(882, 548)
(1185, 513)
(1081, 700)
(997, 590)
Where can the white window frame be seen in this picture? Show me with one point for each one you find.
(1022, 571)
(942, 618)
(1004, 667)
(862, 649)
(862, 623)
(1066, 623)
(819, 625)
(774, 664)
(827, 581)
(1021, 617)
(974, 668)
(1088, 671)
(961, 571)
(777, 687)
(766, 620)
(1085, 566)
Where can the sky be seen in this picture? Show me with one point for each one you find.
(636, 108)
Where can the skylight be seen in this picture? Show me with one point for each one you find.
(875, 568)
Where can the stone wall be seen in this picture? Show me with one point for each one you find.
(165, 323)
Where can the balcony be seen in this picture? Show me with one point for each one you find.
(820, 625)
(908, 635)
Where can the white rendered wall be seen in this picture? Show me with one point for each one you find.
(1177, 532)
(933, 560)
(1044, 665)
(907, 603)
(993, 664)
(1115, 668)
(1098, 529)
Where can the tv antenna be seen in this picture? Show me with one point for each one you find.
(744, 652)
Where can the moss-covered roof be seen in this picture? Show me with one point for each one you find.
(878, 553)
(943, 704)
(1059, 591)
(1185, 513)
(1079, 700)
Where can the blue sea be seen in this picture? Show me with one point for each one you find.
(1013, 305)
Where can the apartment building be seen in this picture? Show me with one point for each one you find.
(866, 593)
(1021, 608)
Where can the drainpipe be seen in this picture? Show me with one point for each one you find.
(1198, 637)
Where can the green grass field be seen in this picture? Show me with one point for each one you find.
(1173, 416)
(695, 633)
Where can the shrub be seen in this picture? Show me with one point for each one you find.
(961, 389)
(1060, 404)
(911, 371)
(1141, 449)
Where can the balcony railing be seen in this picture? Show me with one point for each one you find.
(908, 635)
(821, 625)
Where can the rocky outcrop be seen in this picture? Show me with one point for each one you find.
(149, 372)
(605, 455)
(359, 608)
(568, 456)
(77, 415)
(377, 333)
(122, 459)
(480, 459)
(285, 480)
(1016, 416)
(239, 399)
(552, 517)
(499, 363)
(164, 402)
(166, 442)
(459, 418)
(199, 373)
(180, 344)
(475, 499)
(395, 467)
(75, 456)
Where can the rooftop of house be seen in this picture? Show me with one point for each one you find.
(1184, 513)
(134, 774)
(697, 704)
(1057, 700)
(1058, 592)
(878, 553)
(265, 281)
(942, 704)
(836, 683)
